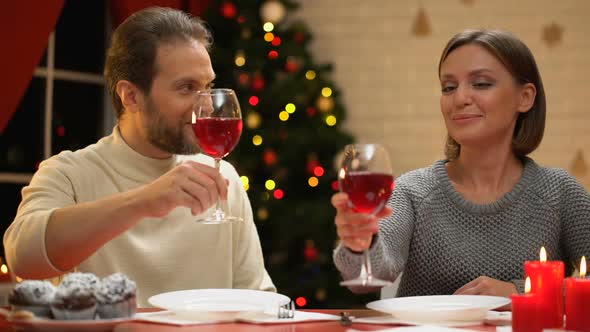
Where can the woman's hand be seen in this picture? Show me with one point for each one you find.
(488, 286)
(355, 230)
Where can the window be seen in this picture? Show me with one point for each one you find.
(64, 107)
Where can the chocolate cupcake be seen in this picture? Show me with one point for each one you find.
(74, 301)
(116, 297)
(80, 279)
(34, 296)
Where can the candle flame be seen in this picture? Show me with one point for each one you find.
(4, 269)
(583, 267)
(543, 255)
(194, 118)
(527, 285)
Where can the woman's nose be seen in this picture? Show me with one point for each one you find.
(463, 96)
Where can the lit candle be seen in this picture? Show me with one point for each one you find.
(5, 274)
(577, 301)
(525, 310)
(547, 283)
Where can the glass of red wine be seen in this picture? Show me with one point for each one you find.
(366, 176)
(217, 124)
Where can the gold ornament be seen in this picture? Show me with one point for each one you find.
(272, 11)
(253, 120)
(325, 104)
(579, 168)
(552, 34)
(421, 26)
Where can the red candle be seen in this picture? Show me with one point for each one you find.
(547, 283)
(5, 274)
(525, 310)
(577, 301)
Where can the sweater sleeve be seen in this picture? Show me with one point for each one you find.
(24, 240)
(575, 221)
(390, 248)
(248, 263)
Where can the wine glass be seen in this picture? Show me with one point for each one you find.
(366, 176)
(217, 124)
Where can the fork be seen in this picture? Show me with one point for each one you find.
(286, 310)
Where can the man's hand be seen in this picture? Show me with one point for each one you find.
(355, 230)
(190, 184)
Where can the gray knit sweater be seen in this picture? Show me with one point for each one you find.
(442, 241)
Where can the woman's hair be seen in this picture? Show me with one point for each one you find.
(134, 44)
(519, 61)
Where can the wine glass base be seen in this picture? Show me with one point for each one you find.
(213, 220)
(366, 282)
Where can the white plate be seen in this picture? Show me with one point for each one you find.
(53, 325)
(218, 303)
(440, 308)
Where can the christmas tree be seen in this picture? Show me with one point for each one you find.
(292, 135)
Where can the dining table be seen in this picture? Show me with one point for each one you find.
(314, 326)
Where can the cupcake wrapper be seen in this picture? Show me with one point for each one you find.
(42, 311)
(122, 309)
(74, 314)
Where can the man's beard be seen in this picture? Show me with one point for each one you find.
(167, 137)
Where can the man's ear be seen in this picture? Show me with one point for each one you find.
(131, 97)
(528, 93)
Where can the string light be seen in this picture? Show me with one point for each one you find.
(240, 59)
(245, 182)
(301, 301)
(268, 27)
(313, 181)
(284, 116)
(326, 92)
(265, 196)
(331, 120)
(257, 140)
(310, 75)
(290, 108)
(269, 36)
(269, 184)
(335, 185)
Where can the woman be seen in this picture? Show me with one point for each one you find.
(466, 224)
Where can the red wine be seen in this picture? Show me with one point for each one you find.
(217, 136)
(368, 192)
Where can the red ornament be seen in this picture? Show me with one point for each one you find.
(244, 79)
(310, 252)
(335, 185)
(311, 165)
(299, 37)
(278, 194)
(253, 100)
(258, 83)
(273, 55)
(311, 111)
(276, 41)
(291, 66)
(229, 10)
(270, 157)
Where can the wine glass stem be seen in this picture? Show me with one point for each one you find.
(218, 208)
(367, 264)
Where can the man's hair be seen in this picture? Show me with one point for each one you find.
(132, 53)
(519, 61)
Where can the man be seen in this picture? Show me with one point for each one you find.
(129, 203)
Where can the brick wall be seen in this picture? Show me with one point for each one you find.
(388, 75)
